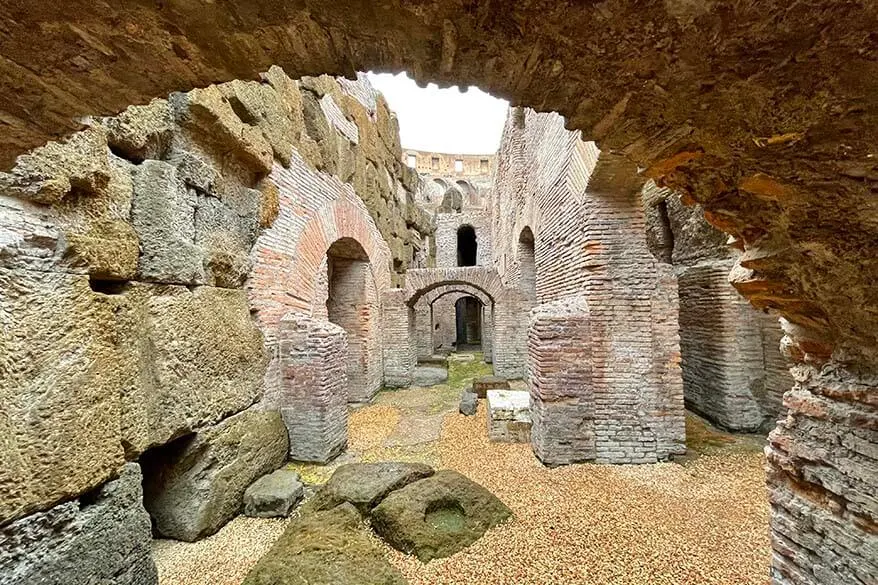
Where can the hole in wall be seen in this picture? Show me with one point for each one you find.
(107, 286)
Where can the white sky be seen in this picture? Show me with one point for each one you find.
(443, 120)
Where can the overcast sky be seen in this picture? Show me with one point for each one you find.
(443, 120)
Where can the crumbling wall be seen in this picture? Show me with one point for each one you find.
(447, 225)
(733, 371)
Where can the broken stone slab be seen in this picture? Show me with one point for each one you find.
(429, 375)
(437, 516)
(196, 484)
(365, 484)
(509, 416)
(485, 383)
(469, 402)
(104, 536)
(273, 495)
(329, 547)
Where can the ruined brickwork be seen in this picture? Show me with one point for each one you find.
(733, 370)
(447, 228)
(589, 251)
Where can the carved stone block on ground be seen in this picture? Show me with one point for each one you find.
(365, 484)
(485, 383)
(509, 418)
(325, 548)
(196, 484)
(437, 516)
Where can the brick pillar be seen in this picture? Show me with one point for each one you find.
(559, 377)
(400, 354)
(313, 387)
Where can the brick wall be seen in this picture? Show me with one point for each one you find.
(313, 387)
(584, 210)
(447, 225)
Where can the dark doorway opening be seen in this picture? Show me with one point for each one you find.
(466, 246)
(468, 319)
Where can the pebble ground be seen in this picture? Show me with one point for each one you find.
(701, 522)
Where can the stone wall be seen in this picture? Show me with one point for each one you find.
(583, 209)
(147, 262)
(733, 371)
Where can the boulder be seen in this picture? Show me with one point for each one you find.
(326, 548)
(365, 484)
(437, 516)
(103, 536)
(273, 495)
(429, 375)
(469, 402)
(485, 383)
(196, 484)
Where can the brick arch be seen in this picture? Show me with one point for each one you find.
(422, 281)
(286, 278)
(437, 293)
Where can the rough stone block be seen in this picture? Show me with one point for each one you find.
(196, 484)
(273, 495)
(469, 402)
(509, 416)
(163, 213)
(60, 384)
(192, 358)
(485, 383)
(103, 536)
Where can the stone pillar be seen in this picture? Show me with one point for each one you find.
(313, 393)
(559, 377)
(398, 328)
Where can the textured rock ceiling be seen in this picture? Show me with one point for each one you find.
(765, 112)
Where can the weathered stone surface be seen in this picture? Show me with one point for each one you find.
(326, 548)
(469, 402)
(437, 516)
(509, 416)
(429, 375)
(208, 111)
(273, 495)
(192, 358)
(163, 213)
(140, 132)
(194, 485)
(485, 383)
(59, 390)
(50, 173)
(365, 484)
(102, 537)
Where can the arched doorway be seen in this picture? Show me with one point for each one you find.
(527, 276)
(467, 246)
(468, 321)
(352, 304)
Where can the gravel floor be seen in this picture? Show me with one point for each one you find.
(705, 521)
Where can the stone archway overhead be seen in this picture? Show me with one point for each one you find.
(744, 142)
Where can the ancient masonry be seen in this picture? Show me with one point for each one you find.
(157, 268)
